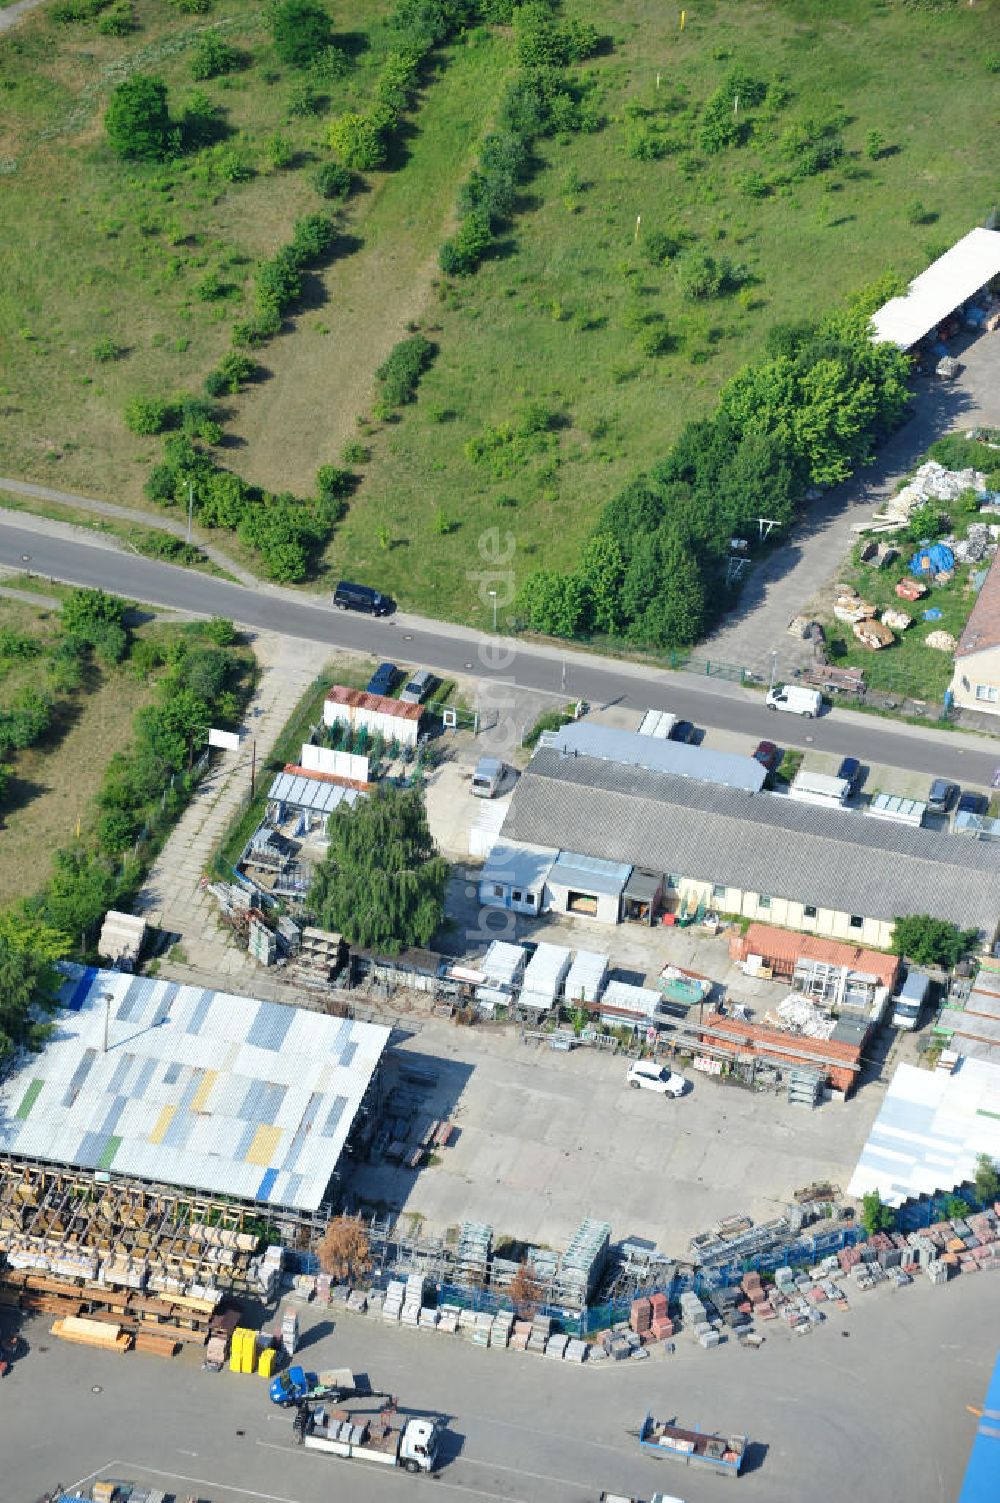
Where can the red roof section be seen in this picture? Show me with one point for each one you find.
(788, 945)
(982, 630)
(379, 704)
(326, 777)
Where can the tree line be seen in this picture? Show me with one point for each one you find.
(654, 569)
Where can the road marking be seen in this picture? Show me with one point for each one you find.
(92, 1476)
(496, 1466)
(247, 1492)
(461, 1487)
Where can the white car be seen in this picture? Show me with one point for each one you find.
(643, 1075)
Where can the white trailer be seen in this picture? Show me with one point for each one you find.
(412, 1445)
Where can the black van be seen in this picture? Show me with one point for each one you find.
(359, 597)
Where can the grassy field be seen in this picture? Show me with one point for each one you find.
(549, 319)
(94, 251)
(51, 786)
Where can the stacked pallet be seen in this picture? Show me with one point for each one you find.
(640, 1317)
(661, 1326)
(110, 1338)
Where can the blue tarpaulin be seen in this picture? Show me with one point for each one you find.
(982, 1477)
(931, 558)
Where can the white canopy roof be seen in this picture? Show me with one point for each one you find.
(947, 283)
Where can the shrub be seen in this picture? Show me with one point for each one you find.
(700, 275)
(462, 254)
(659, 247)
(311, 239)
(399, 375)
(221, 631)
(304, 100)
(118, 20)
(279, 151)
(278, 282)
(212, 56)
(358, 141)
(106, 349)
(300, 30)
(874, 145)
(146, 415)
(233, 372)
(332, 180)
(137, 121)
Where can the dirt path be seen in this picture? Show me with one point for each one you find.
(323, 374)
(128, 514)
(10, 16)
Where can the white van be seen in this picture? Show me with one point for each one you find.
(487, 777)
(793, 697)
(909, 1003)
(819, 788)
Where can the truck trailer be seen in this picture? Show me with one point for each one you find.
(718, 1453)
(412, 1444)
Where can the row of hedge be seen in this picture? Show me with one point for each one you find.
(539, 101)
(202, 680)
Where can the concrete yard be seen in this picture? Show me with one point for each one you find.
(883, 1414)
(546, 1138)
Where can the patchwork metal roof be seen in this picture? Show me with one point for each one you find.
(947, 283)
(318, 795)
(197, 1088)
(583, 739)
(758, 842)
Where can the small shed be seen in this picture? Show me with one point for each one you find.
(631, 1006)
(586, 977)
(642, 896)
(513, 877)
(311, 796)
(587, 886)
(502, 968)
(375, 713)
(121, 940)
(543, 978)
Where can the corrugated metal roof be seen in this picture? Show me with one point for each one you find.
(223, 1107)
(787, 944)
(582, 739)
(502, 961)
(521, 866)
(589, 873)
(315, 794)
(758, 842)
(946, 284)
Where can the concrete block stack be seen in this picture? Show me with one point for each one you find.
(428, 1319)
(483, 1328)
(753, 1288)
(556, 1347)
(693, 1312)
(541, 1330)
(413, 1299)
(576, 1350)
(661, 1326)
(467, 1320)
(640, 1317)
(357, 1301)
(392, 1305)
(448, 1316)
(520, 1335)
(503, 1325)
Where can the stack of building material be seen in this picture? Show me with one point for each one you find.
(413, 1299)
(640, 1317)
(521, 1335)
(109, 1337)
(541, 1330)
(428, 1318)
(393, 1302)
(582, 1263)
(661, 1326)
(576, 1350)
(448, 1319)
(357, 1301)
(503, 1324)
(121, 939)
(475, 1242)
(556, 1347)
(483, 1328)
(160, 1346)
(693, 1312)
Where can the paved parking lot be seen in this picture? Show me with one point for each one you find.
(882, 1414)
(546, 1138)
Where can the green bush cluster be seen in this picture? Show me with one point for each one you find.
(301, 30)
(725, 120)
(191, 415)
(654, 569)
(278, 282)
(331, 180)
(212, 56)
(399, 376)
(540, 101)
(233, 372)
(505, 448)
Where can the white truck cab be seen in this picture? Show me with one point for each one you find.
(909, 1004)
(795, 698)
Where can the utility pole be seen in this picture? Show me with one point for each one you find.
(107, 1018)
(774, 664)
(493, 597)
(190, 486)
(253, 765)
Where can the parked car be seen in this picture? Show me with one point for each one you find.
(941, 795)
(684, 731)
(768, 755)
(359, 597)
(643, 1075)
(383, 680)
(972, 803)
(798, 701)
(418, 688)
(850, 771)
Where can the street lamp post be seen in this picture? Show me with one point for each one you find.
(493, 597)
(190, 486)
(774, 664)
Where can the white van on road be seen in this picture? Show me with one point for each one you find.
(794, 697)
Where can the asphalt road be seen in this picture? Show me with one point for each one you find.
(566, 675)
(881, 1415)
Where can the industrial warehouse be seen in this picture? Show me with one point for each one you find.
(600, 830)
(175, 1085)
